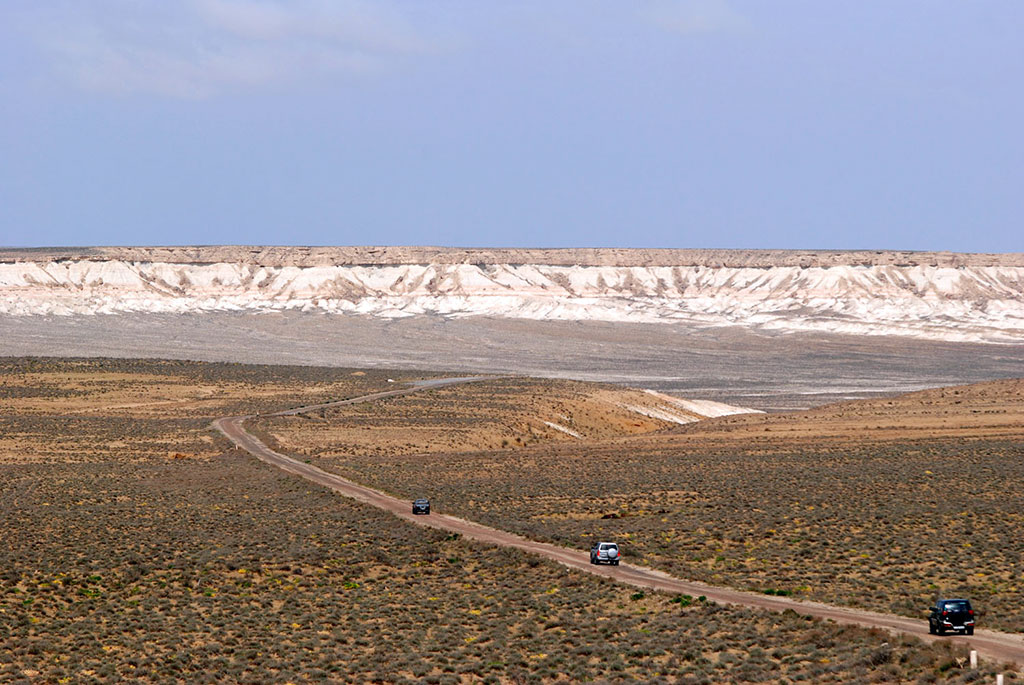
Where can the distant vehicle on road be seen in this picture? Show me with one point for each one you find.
(605, 553)
(421, 506)
(951, 614)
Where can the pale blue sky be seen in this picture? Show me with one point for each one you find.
(648, 123)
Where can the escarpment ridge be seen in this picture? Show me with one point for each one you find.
(947, 296)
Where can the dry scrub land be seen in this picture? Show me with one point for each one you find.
(69, 411)
(880, 504)
(135, 547)
(489, 415)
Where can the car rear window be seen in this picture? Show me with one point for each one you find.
(955, 606)
(612, 546)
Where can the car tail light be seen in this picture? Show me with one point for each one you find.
(945, 613)
(970, 612)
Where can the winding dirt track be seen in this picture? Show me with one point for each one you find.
(990, 644)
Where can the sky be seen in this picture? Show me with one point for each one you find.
(579, 123)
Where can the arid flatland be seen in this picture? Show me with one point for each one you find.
(166, 559)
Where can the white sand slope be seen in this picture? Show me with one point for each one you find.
(662, 413)
(705, 408)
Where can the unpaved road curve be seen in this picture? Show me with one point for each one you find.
(990, 644)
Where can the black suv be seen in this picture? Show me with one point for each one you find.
(951, 614)
(421, 506)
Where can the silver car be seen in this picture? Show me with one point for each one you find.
(605, 553)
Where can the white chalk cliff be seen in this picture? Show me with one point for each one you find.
(941, 296)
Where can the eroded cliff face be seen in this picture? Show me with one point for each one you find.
(933, 295)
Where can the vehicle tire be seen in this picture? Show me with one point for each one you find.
(969, 631)
(940, 631)
(616, 562)
(931, 628)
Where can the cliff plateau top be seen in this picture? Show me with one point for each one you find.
(280, 256)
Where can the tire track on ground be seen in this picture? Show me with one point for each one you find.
(990, 644)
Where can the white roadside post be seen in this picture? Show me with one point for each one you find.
(974, 658)
(999, 679)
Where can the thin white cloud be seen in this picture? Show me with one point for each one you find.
(352, 23)
(205, 47)
(695, 16)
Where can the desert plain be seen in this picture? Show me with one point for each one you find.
(139, 544)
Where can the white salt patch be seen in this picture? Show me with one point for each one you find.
(567, 431)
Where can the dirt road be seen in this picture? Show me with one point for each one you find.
(990, 644)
